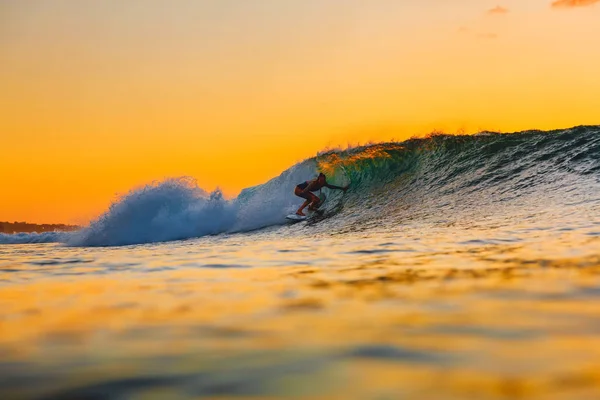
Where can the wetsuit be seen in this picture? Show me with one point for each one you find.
(302, 185)
(299, 191)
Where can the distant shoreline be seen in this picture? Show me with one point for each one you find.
(25, 227)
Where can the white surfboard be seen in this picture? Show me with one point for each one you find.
(296, 217)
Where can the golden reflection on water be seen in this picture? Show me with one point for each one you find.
(488, 322)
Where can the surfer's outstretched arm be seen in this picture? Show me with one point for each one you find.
(327, 185)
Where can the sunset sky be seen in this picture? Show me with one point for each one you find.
(98, 97)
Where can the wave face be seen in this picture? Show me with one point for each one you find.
(468, 176)
(454, 176)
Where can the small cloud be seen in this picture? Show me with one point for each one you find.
(499, 10)
(488, 35)
(573, 3)
(463, 29)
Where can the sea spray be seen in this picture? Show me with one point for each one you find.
(170, 210)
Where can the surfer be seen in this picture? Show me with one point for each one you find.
(305, 190)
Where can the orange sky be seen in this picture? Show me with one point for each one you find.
(98, 97)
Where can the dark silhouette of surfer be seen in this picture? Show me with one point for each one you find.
(306, 189)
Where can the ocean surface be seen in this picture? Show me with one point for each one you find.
(455, 267)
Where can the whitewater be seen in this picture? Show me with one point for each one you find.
(471, 261)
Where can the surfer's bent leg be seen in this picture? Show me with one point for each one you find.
(314, 202)
(307, 196)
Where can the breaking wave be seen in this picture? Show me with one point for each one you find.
(417, 178)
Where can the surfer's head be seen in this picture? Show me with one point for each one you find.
(321, 178)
